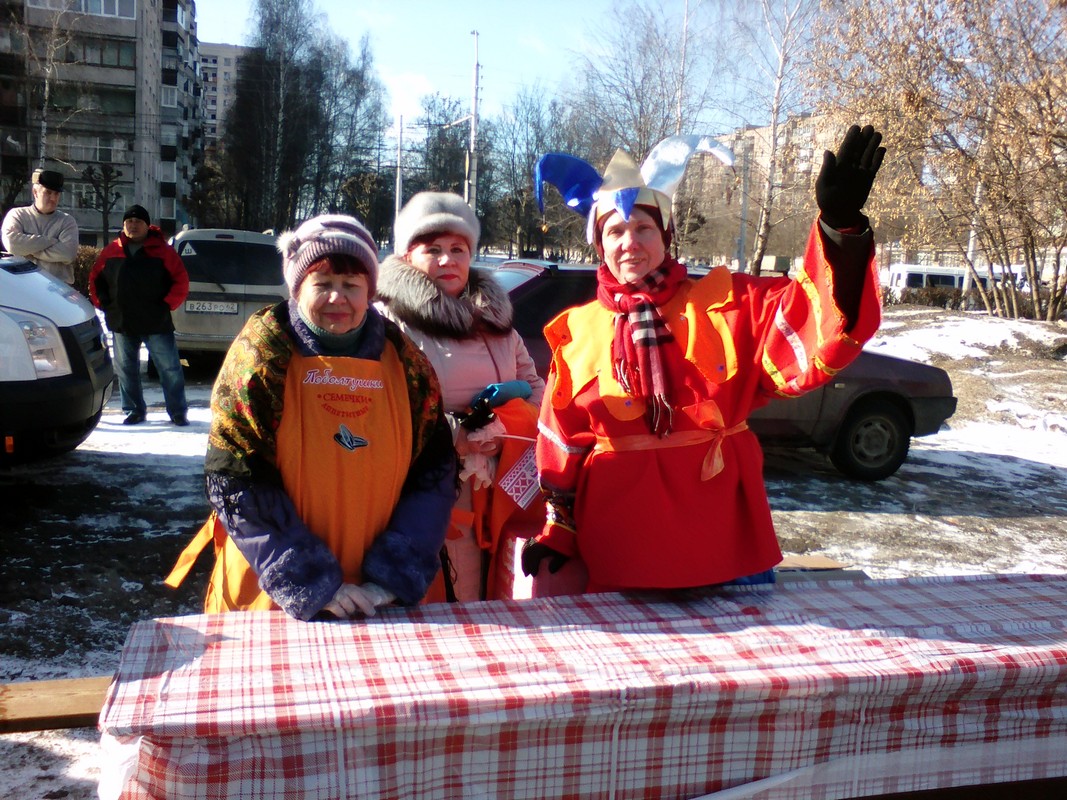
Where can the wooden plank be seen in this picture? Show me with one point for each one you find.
(805, 562)
(44, 705)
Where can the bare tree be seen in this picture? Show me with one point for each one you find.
(105, 197)
(972, 97)
(770, 55)
(525, 133)
(283, 33)
(443, 151)
(351, 117)
(638, 84)
(46, 47)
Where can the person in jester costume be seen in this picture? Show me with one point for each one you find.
(651, 476)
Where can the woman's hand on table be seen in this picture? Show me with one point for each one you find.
(350, 600)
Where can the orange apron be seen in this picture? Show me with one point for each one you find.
(344, 449)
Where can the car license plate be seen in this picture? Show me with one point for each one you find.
(210, 307)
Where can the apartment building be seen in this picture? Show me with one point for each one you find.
(219, 65)
(729, 198)
(107, 92)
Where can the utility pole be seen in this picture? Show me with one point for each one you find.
(399, 174)
(472, 156)
(681, 76)
(741, 245)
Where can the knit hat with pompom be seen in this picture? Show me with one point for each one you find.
(325, 235)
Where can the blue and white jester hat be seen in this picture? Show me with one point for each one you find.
(623, 185)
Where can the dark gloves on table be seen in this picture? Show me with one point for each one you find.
(533, 553)
(845, 179)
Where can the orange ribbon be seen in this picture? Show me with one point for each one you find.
(713, 461)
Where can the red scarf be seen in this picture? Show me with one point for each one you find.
(640, 333)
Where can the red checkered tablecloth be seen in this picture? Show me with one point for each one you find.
(602, 696)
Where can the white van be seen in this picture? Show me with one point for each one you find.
(232, 274)
(923, 276)
(55, 369)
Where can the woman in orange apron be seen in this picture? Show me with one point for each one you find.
(652, 476)
(330, 467)
(461, 318)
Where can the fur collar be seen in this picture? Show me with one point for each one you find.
(415, 300)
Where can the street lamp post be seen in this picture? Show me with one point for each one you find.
(472, 156)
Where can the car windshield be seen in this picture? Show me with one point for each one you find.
(222, 261)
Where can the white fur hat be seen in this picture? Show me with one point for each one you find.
(435, 212)
(322, 236)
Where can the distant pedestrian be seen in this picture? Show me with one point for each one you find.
(138, 280)
(40, 232)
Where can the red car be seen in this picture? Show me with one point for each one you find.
(863, 419)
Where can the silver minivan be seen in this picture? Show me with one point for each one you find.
(232, 274)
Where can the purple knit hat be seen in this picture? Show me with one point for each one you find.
(325, 235)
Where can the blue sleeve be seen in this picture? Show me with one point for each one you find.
(405, 557)
(295, 568)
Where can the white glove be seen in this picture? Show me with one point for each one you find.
(489, 432)
(379, 594)
(479, 469)
(350, 600)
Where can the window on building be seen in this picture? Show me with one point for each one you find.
(226, 62)
(111, 54)
(99, 52)
(168, 135)
(97, 8)
(166, 208)
(169, 96)
(168, 172)
(82, 195)
(108, 150)
(117, 101)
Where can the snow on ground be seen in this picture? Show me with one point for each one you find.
(986, 494)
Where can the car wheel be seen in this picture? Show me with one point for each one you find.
(873, 441)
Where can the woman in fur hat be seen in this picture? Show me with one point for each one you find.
(653, 478)
(461, 318)
(330, 468)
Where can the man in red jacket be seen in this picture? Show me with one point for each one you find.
(137, 281)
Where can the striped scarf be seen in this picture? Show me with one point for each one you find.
(641, 332)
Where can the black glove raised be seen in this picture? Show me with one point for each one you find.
(533, 553)
(845, 180)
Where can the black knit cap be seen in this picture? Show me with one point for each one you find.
(137, 212)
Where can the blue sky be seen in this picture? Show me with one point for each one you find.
(422, 46)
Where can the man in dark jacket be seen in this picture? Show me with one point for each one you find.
(137, 281)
